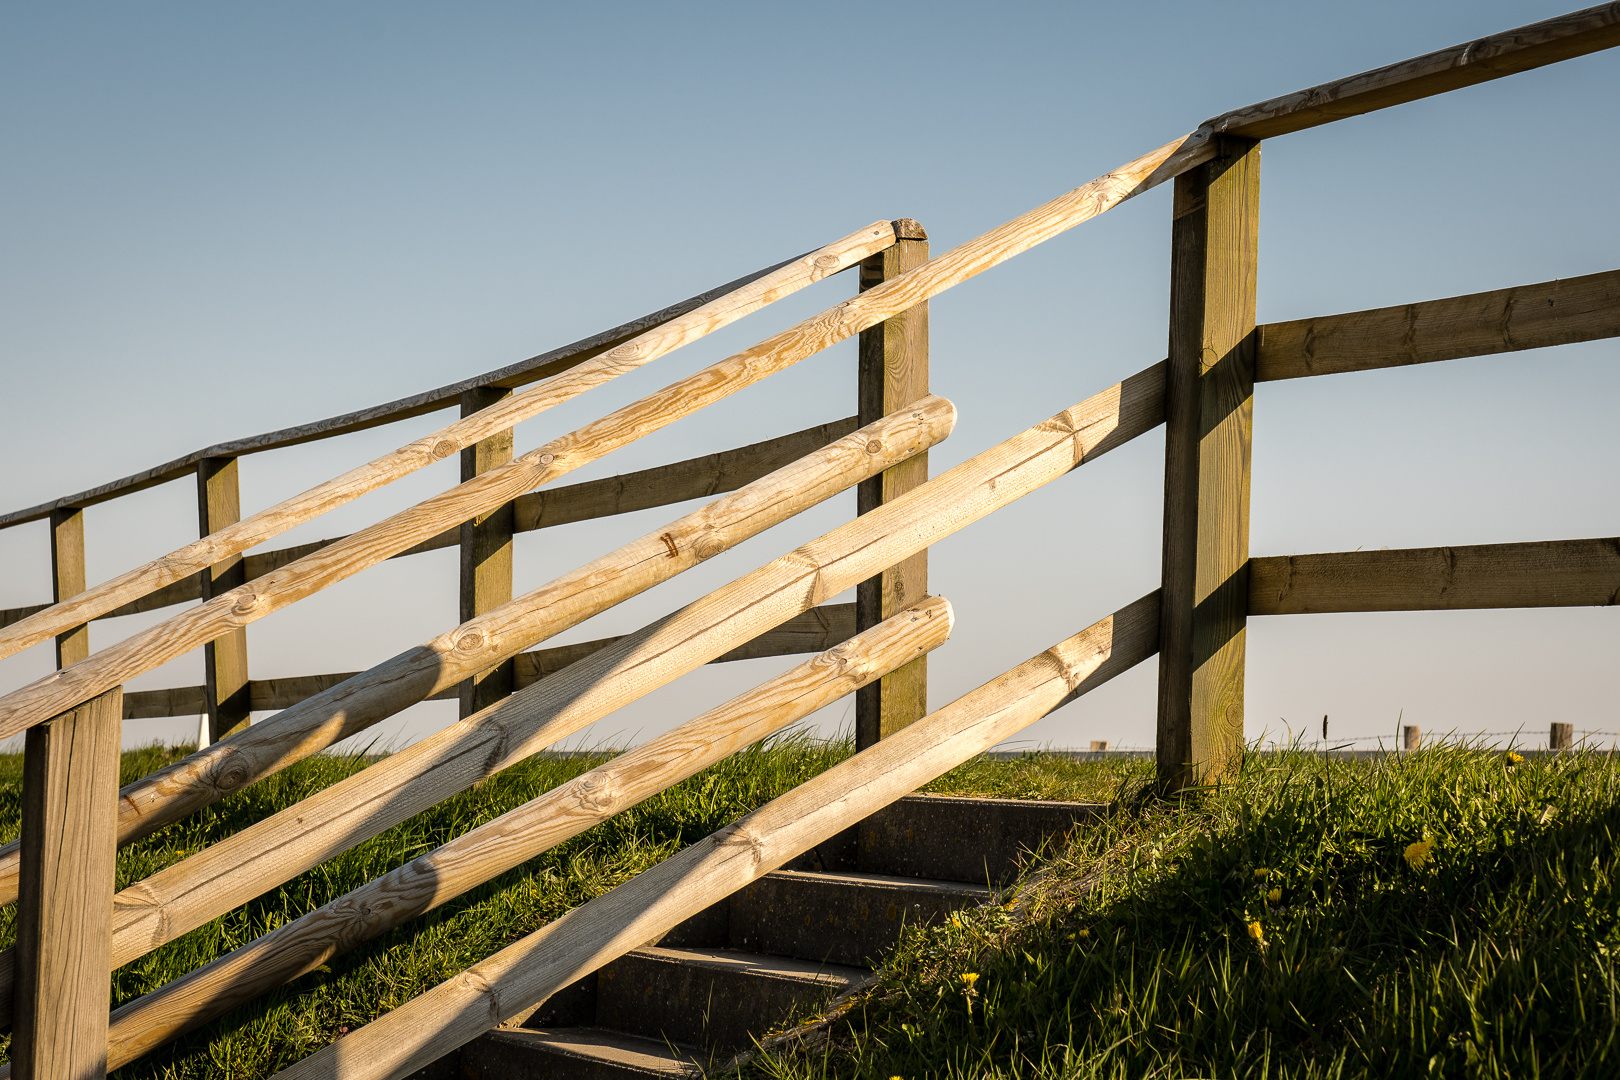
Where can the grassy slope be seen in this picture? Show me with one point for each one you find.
(1137, 954)
(257, 1040)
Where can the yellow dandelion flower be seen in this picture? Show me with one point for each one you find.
(1258, 933)
(1260, 875)
(1419, 853)
(969, 978)
(1082, 933)
(1514, 758)
(956, 922)
(1274, 896)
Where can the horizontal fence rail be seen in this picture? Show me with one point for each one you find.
(1549, 573)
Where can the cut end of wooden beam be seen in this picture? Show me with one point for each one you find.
(909, 229)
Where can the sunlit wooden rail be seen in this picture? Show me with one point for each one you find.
(517, 700)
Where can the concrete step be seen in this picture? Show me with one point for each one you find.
(847, 918)
(713, 998)
(584, 1053)
(948, 838)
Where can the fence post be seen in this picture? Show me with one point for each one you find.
(486, 550)
(1562, 737)
(893, 373)
(68, 579)
(1209, 402)
(225, 660)
(64, 903)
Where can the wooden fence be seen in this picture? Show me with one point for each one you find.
(515, 699)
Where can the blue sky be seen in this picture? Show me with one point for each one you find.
(221, 220)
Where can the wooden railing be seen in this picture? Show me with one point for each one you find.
(516, 701)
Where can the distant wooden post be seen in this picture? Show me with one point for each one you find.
(893, 373)
(64, 904)
(1562, 737)
(1209, 402)
(67, 579)
(225, 660)
(1411, 736)
(486, 550)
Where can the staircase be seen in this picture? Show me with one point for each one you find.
(790, 941)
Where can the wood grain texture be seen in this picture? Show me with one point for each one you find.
(70, 774)
(486, 551)
(428, 881)
(68, 579)
(560, 387)
(34, 702)
(695, 478)
(749, 366)
(358, 551)
(178, 789)
(1534, 45)
(271, 851)
(1209, 402)
(815, 631)
(893, 372)
(1548, 573)
(607, 927)
(543, 366)
(225, 659)
(1547, 313)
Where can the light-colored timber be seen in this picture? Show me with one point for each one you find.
(816, 630)
(1550, 573)
(695, 478)
(892, 373)
(225, 660)
(543, 366)
(70, 773)
(68, 579)
(1557, 312)
(561, 387)
(32, 703)
(486, 551)
(1209, 403)
(200, 779)
(1481, 60)
(653, 902)
(201, 887)
(302, 945)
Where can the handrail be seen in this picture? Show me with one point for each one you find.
(1534, 45)
(653, 902)
(661, 485)
(237, 608)
(424, 883)
(257, 528)
(511, 376)
(479, 644)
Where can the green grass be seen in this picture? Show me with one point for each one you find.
(258, 1039)
(1131, 955)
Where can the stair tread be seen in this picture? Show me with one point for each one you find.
(888, 881)
(633, 1052)
(758, 964)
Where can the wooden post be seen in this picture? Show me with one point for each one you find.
(486, 550)
(1562, 737)
(893, 373)
(1209, 401)
(67, 579)
(225, 661)
(64, 906)
(1411, 736)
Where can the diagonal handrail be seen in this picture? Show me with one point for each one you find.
(470, 860)
(257, 528)
(47, 697)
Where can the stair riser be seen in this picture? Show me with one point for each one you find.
(832, 921)
(975, 840)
